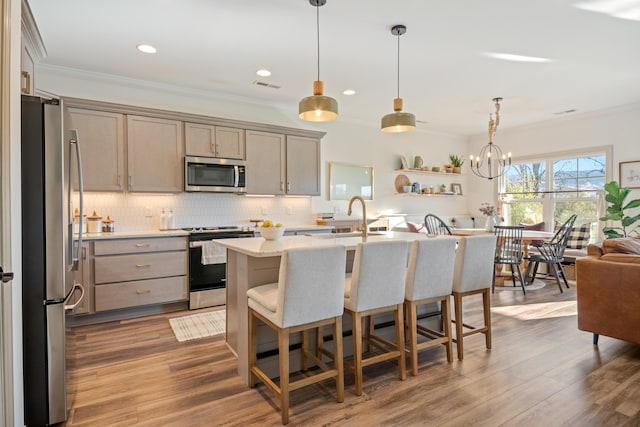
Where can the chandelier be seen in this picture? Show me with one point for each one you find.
(491, 155)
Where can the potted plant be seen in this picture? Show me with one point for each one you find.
(456, 162)
(616, 211)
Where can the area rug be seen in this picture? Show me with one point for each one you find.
(508, 286)
(197, 326)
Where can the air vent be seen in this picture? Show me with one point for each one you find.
(265, 84)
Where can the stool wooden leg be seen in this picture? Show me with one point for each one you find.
(283, 348)
(339, 357)
(319, 341)
(252, 347)
(304, 350)
(357, 350)
(400, 340)
(413, 336)
(486, 303)
(446, 326)
(457, 302)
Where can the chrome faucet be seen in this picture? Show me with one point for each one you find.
(364, 214)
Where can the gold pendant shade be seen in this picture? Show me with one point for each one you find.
(398, 121)
(318, 108)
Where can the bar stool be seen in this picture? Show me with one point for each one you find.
(429, 280)
(309, 294)
(472, 275)
(375, 286)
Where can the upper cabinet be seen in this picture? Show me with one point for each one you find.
(214, 141)
(32, 51)
(266, 159)
(303, 166)
(155, 155)
(101, 140)
(279, 164)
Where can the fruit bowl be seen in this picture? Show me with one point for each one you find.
(271, 233)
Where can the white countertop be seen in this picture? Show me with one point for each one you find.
(133, 234)
(259, 247)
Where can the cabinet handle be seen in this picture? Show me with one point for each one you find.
(281, 186)
(143, 265)
(84, 252)
(118, 180)
(213, 148)
(142, 245)
(143, 291)
(26, 89)
(288, 186)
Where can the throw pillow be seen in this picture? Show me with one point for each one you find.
(416, 228)
(625, 245)
(534, 227)
(579, 237)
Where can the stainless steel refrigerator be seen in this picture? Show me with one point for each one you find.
(49, 257)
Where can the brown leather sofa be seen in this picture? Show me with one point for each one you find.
(608, 289)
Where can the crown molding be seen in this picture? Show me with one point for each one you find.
(30, 33)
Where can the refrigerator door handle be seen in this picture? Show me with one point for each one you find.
(75, 258)
(73, 306)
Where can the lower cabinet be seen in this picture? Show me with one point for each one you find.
(137, 272)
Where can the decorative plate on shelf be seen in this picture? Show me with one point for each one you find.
(401, 181)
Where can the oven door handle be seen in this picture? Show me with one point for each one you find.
(236, 176)
(196, 244)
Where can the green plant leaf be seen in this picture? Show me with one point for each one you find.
(612, 188)
(611, 199)
(628, 220)
(612, 232)
(632, 204)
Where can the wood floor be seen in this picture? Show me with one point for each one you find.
(541, 371)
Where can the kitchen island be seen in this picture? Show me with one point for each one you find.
(255, 261)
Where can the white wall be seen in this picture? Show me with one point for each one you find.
(619, 127)
(346, 141)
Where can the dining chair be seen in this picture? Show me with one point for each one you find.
(508, 252)
(435, 225)
(471, 276)
(376, 285)
(552, 254)
(309, 294)
(429, 280)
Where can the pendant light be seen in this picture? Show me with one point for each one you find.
(318, 108)
(494, 168)
(398, 121)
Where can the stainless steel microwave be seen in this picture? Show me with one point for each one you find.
(214, 175)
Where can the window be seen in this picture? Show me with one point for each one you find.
(550, 190)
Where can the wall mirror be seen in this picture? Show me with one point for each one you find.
(347, 180)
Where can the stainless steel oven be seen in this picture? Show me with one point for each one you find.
(207, 282)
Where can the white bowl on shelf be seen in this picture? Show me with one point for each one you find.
(271, 233)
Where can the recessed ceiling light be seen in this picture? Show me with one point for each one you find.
(263, 72)
(516, 58)
(349, 92)
(146, 48)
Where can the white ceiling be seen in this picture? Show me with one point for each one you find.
(445, 78)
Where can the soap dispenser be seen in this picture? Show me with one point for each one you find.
(170, 222)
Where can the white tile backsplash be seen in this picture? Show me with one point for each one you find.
(141, 211)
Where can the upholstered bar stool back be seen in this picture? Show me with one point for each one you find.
(376, 286)
(473, 274)
(309, 294)
(429, 280)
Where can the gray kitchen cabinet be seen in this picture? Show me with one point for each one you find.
(303, 166)
(101, 137)
(214, 141)
(155, 154)
(31, 51)
(139, 272)
(266, 160)
(282, 164)
(84, 276)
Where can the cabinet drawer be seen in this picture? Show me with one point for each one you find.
(141, 292)
(122, 268)
(132, 246)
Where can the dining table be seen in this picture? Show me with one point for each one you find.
(528, 237)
